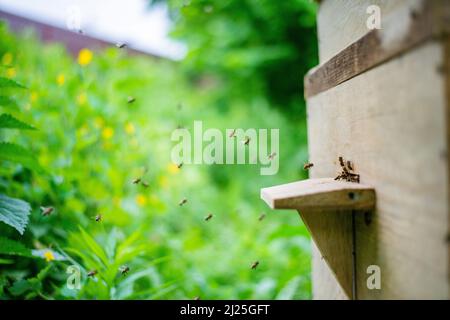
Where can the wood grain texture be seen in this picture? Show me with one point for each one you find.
(392, 123)
(404, 29)
(320, 194)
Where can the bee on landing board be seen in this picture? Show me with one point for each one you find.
(124, 270)
(46, 211)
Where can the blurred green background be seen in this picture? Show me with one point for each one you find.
(244, 69)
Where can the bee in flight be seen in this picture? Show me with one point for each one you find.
(46, 211)
(308, 166)
(254, 265)
(233, 133)
(136, 181)
(98, 218)
(272, 155)
(182, 202)
(246, 140)
(121, 45)
(124, 270)
(92, 273)
(208, 217)
(180, 165)
(131, 99)
(261, 217)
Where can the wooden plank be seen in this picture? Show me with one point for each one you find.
(325, 286)
(378, 46)
(319, 194)
(343, 22)
(392, 123)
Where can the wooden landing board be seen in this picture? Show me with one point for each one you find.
(391, 122)
(320, 194)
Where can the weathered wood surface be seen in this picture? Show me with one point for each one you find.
(319, 194)
(391, 121)
(405, 25)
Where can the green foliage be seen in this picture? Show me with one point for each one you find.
(14, 212)
(10, 247)
(91, 144)
(7, 121)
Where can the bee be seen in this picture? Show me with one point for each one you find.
(92, 273)
(98, 218)
(136, 181)
(131, 99)
(80, 31)
(349, 165)
(341, 162)
(46, 211)
(233, 133)
(145, 184)
(197, 298)
(182, 202)
(179, 127)
(261, 217)
(121, 45)
(180, 165)
(246, 140)
(308, 166)
(254, 265)
(272, 155)
(124, 270)
(208, 217)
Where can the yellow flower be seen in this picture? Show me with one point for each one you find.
(34, 96)
(48, 255)
(82, 98)
(172, 168)
(129, 128)
(10, 72)
(7, 58)
(141, 200)
(60, 79)
(85, 57)
(107, 133)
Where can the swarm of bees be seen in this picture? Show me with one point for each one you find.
(46, 211)
(308, 166)
(254, 265)
(92, 273)
(272, 155)
(124, 270)
(182, 202)
(347, 173)
(261, 217)
(131, 99)
(208, 217)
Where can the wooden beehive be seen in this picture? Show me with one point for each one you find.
(380, 98)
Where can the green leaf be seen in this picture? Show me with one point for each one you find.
(9, 83)
(14, 248)
(15, 153)
(7, 121)
(94, 247)
(9, 103)
(14, 212)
